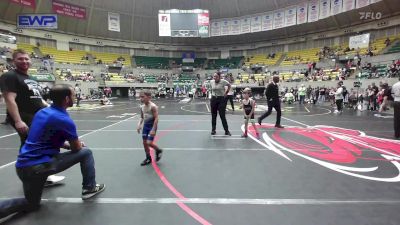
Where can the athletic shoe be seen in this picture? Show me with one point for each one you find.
(213, 132)
(279, 126)
(86, 194)
(244, 135)
(159, 154)
(259, 120)
(53, 180)
(228, 133)
(145, 162)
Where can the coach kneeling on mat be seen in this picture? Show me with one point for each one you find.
(40, 156)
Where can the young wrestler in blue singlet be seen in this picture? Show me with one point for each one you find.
(148, 122)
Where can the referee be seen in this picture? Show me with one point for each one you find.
(272, 94)
(396, 106)
(218, 102)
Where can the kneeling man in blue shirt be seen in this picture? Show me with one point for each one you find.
(52, 128)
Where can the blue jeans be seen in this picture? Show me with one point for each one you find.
(34, 177)
(302, 97)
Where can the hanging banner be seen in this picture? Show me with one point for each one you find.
(336, 7)
(215, 28)
(302, 13)
(359, 41)
(235, 27)
(225, 27)
(245, 25)
(114, 22)
(267, 22)
(256, 24)
(290, 16)
(313, 10)
(29, 3)
(348, 5)
(67, 9)
(164, 25)
(324, 9)
(279, 19)
(362, 3)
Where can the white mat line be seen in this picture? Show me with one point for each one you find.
(8, 135)
(206, 130)
(208, 108)
(11, 163)
(175, 130)
(226, 201)
(184, 149)
(8, 164)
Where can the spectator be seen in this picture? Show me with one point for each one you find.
(387, 42)
(40, 156)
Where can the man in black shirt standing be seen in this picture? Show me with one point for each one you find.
(272, 94)
(23, 98)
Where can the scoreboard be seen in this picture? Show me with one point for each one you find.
(184, 23)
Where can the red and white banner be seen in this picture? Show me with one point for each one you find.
(215, 28)
(164, 25)
(225, 27)
(324, 9)
(279, 19)
(302, 13)
(336, 7)
(256, 24)
(29, 3)
(348, 5)
(245, 25)
(362, 3)
(67, 9)
(313, 10)
(290, 16)
(203, 19)
(267, 22)
(234, 27)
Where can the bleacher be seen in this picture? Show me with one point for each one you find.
(62, 74)
(263, 60)
(150, 78)
(246, 77)
(185, 78)
(377, 46)
(395, 48)
(60, 56)
(301, 57)
(115, 77)
(110, 58)
(231, 63)
(290, 76)
(27, 47)
(198, 63)
(152, 62)
(381, 71)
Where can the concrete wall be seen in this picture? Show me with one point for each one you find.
(85, 86)
(381, 59)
